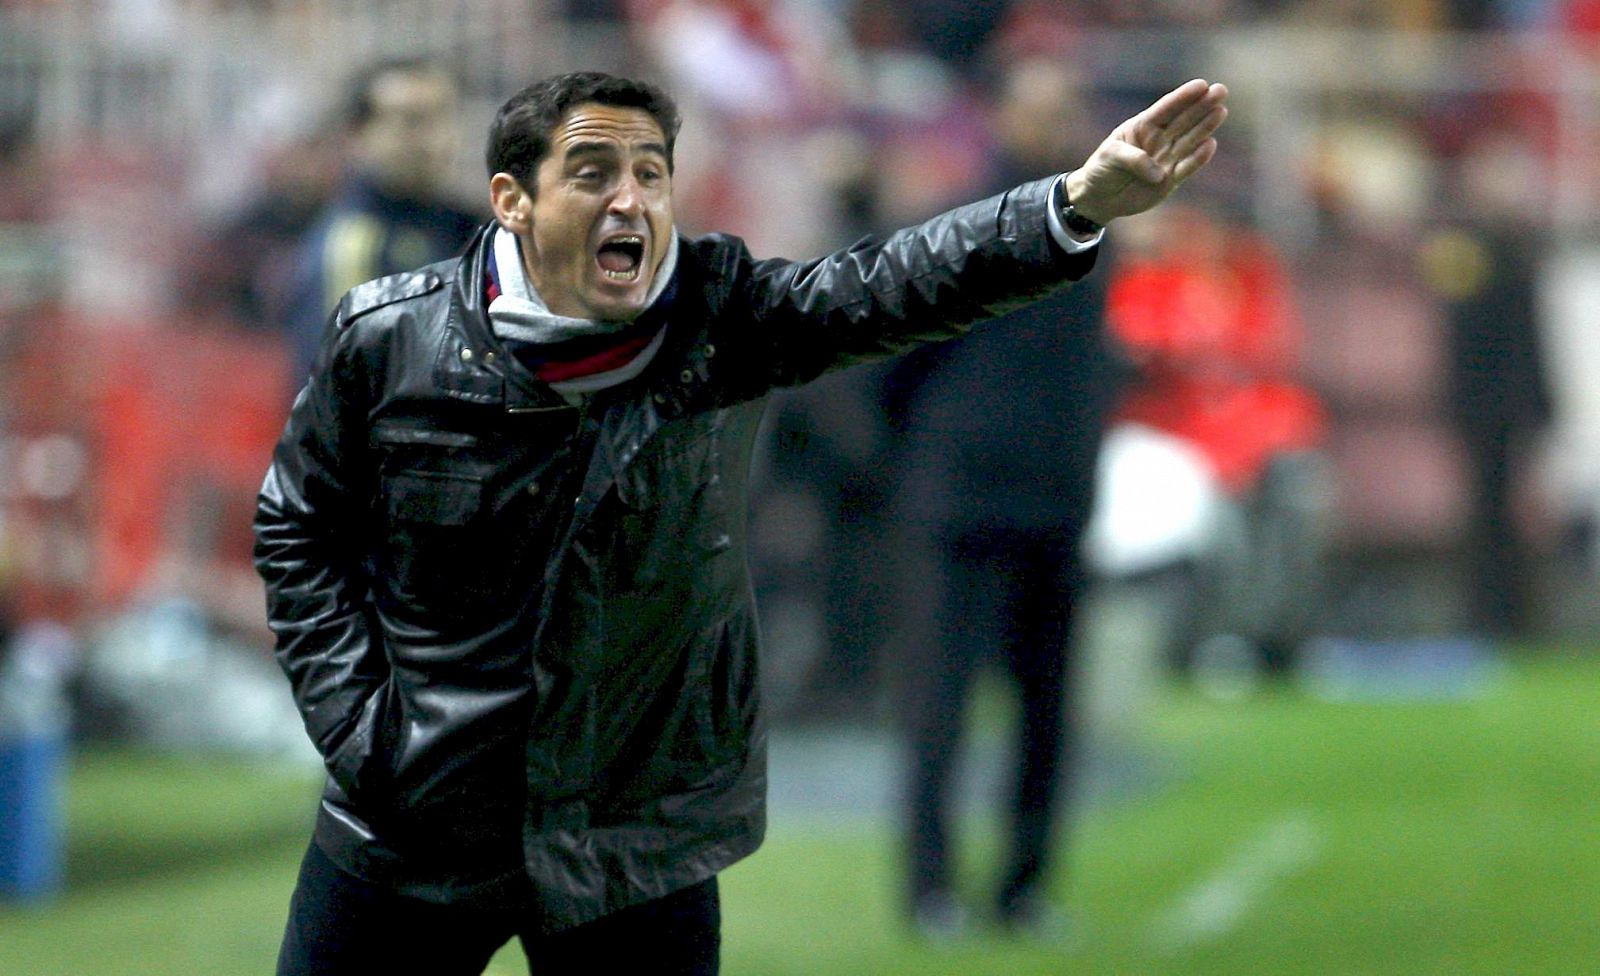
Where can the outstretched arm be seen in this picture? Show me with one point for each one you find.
(1148, 156)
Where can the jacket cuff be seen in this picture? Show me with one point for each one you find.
(1058, 230)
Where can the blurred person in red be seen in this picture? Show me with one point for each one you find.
(994, 502)
(749, 60)
(503, 536)
(393, 211)
(1206, 311)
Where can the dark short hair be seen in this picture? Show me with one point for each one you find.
(520, 136)
(360, 103)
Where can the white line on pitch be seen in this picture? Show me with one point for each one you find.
(1213, 907)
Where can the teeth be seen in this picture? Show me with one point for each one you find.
(634, 240)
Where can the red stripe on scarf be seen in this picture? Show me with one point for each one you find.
(616, 357)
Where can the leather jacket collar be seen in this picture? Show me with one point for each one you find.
(472, 364)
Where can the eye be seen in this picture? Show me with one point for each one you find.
(651, 174)
(589, 175)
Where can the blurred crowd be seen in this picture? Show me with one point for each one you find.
(1335, 395)
(1346, 381)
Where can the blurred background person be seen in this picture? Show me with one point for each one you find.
(1484, 261)
(1001, 429)
(247, 258)
(1204, 309)
(393, 211)
(903, 137)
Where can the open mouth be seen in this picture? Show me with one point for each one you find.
(621, 257)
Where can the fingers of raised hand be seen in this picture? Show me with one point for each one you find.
(1185, 142)
(1180, 120)
(1189, 164)
(1173, 104)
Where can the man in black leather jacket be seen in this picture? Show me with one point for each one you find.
(503, 534)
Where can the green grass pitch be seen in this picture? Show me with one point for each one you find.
(1286, 836)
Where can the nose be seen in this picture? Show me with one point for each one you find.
(628, 200)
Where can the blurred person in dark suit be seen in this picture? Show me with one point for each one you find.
(1484, 267)
(1000, 433)
(503, 535)
(297, 183)
(822, 549)
(392, 212)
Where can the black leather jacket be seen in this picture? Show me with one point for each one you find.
(521, 633)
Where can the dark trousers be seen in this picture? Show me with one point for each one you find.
(340, 924)
(1498, 562)
(1007, 597)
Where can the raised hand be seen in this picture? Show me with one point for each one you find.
(1148, 156)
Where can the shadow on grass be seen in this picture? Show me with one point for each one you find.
(135, 814)
(107, 860)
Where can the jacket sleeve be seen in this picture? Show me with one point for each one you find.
(882, 297)
(308, 551)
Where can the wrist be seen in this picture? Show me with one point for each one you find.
(1073, 188)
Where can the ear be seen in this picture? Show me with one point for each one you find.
(513, 205)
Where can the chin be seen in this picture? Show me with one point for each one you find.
(620, 309)
(616, 311)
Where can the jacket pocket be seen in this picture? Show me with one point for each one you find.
(675, 511)
(428, 498)
(359, 761)
(433, 562)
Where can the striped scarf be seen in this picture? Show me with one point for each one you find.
(576, 357)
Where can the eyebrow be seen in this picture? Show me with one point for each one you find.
(608, 148)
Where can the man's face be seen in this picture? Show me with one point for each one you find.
(601, 213)
(410, 139)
